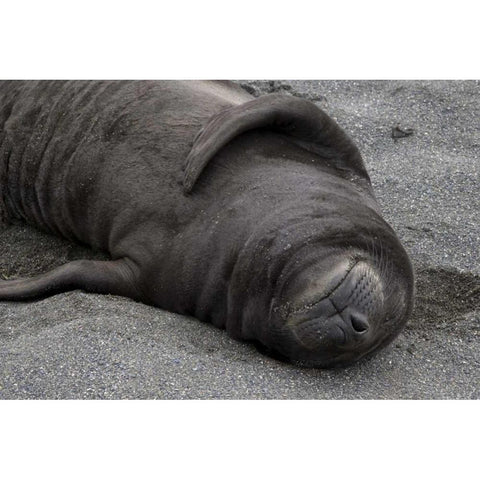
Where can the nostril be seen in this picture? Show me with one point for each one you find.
(359, 322)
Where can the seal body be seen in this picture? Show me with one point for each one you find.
(254, 214)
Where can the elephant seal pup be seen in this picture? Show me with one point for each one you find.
(255, 214)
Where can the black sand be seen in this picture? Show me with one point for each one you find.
(78, 345)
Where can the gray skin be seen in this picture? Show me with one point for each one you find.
(254, 214)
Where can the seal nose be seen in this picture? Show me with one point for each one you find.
(332, 327)
(358, 321)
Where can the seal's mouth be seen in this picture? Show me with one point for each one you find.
(344, 322)
(330, 283)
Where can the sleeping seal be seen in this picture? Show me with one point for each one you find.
(254, 214)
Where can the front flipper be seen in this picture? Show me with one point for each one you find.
(117, 277)
(300, 119)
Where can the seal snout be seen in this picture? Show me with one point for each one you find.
(343, 322)
(340, 329)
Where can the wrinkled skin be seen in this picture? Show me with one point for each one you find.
(254, 214)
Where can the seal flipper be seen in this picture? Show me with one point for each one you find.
(116, 277)
(298, 118)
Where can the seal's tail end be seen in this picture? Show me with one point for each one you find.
(114, 277)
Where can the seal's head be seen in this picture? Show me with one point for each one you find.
(323, 282)
(331, 305)
(324, 288)
(342, 307)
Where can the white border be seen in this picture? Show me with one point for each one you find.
(371, 39)
(239, 439)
